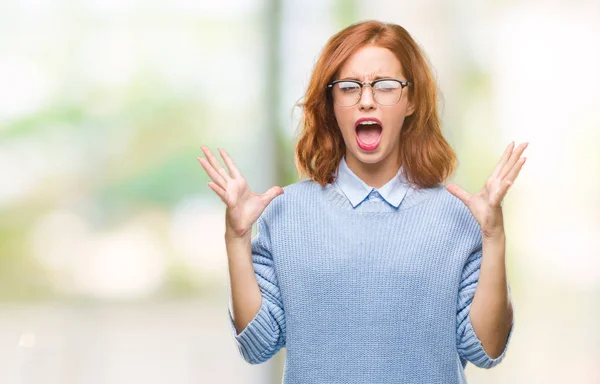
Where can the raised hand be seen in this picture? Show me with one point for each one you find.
(243, 206)
(486, 205)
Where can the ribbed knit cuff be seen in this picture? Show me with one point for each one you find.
(475, 352)
(258, 341)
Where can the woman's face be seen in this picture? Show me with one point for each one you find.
(369, 143)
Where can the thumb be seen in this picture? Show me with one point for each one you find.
(460, 193)
(272, 193)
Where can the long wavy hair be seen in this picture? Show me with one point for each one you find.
(425, 156)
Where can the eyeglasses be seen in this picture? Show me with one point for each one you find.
(347, 93)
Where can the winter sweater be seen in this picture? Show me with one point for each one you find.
(364, 285)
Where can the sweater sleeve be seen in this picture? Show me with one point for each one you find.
(264, 336)
(468, 344)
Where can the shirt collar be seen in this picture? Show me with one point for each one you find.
(357, 190)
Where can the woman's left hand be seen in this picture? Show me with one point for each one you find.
(486, 205)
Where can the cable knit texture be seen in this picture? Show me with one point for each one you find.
(366, 294)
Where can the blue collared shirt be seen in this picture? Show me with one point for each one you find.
(357, 191)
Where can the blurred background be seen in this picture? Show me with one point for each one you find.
(112, 259)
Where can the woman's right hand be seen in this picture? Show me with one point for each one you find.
(243, 206)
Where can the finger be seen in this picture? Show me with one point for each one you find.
(215, 163)
(214, 175)
(514, 172)
(513, 160)
(233, 170)
(498, 197)
(219, 191)
(503, 159)
(457, 191)
(272, 193)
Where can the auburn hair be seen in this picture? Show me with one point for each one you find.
(425, 156)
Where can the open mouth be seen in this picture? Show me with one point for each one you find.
(368, 133)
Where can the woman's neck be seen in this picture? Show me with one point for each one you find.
(375, 175)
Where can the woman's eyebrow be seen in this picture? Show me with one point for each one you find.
(357, 78)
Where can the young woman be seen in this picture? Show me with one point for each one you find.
(371, 270)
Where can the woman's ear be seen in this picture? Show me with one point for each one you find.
(410, 109)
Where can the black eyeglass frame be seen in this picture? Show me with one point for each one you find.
(403, 84)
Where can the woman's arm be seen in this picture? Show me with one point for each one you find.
(246, 298)
(491, 311)
(258, 322)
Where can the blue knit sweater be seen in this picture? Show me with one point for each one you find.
(370, 293)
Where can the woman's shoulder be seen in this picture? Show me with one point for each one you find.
(304, 192)
(300, 188)
(300, 193)
(440, 203)
(458, 212)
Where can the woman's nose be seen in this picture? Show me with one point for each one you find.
(366, 99)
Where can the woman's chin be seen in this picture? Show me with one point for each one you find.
(369, 157)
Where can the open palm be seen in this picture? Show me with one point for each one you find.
(243, 206)
(486, 205)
